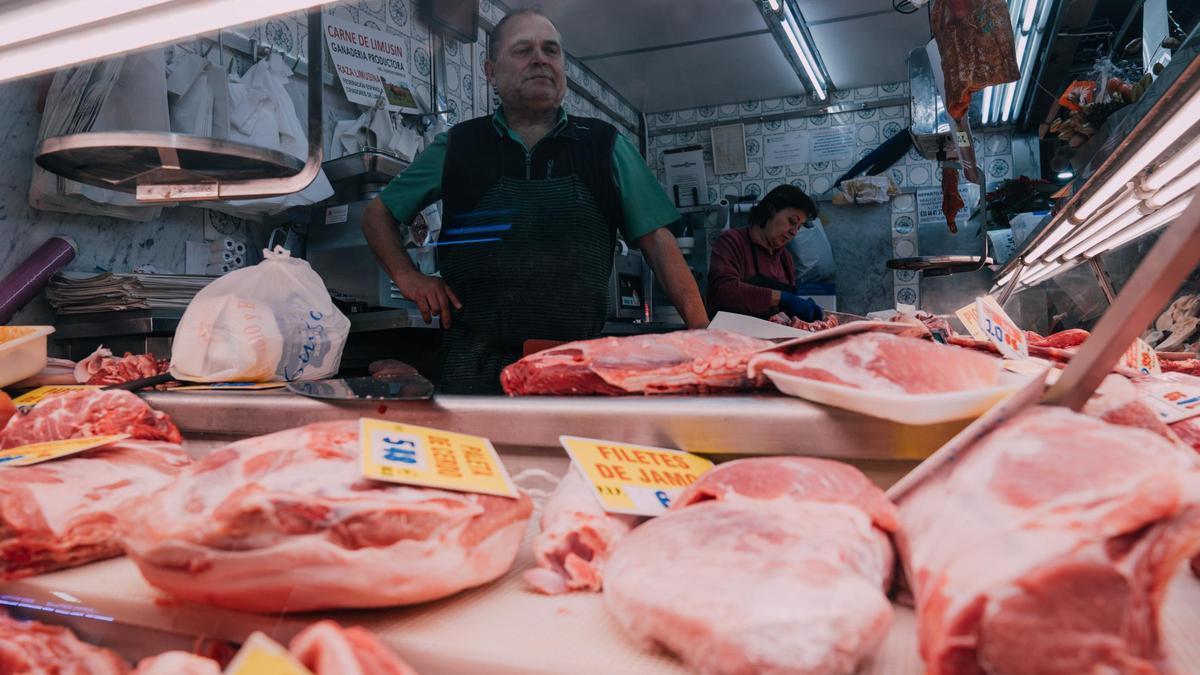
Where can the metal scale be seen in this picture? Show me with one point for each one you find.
(163, 167)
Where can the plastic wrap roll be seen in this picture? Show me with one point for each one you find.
(30, 277)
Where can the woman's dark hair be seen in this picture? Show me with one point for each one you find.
(782, 197)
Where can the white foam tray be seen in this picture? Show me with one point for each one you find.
(916, 409)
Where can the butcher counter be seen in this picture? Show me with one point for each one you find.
(531, 426)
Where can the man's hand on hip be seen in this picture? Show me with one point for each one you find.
(432, 295)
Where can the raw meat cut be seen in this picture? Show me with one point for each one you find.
(1063, 339)
(89, 413)
(1185, 366)
(286, 523)
(326, 648)
(576, 540)
(1047, 547)
(767, 565)
(7, 409)
(177, 663)
(878, 361)
(683, 362)
(63, 513)
(102, 368)
(1058, 354)
(1116, 401)
(34, 648)
(830, 321)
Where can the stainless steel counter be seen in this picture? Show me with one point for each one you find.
(733, 425)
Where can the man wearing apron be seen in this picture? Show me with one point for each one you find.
(532, 201)
(751, 271)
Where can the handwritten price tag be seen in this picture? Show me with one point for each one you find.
(969, 316)
(36, 453)
(412, 455)
(1141, 357)
(634, 479)
(1000, 330)
(26, 401)
(260, 655)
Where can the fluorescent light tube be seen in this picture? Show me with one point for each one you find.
(802, 54)
(108, 28)
(1060, 228)
(1168, 170)
(774, 5)
(1173, 190)
(1170, 132)
(1148, 224)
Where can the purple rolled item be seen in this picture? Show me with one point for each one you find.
(31, 276)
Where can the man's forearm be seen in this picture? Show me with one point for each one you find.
(674, 276)
(383, 236)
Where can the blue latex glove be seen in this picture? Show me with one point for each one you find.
(800, 308)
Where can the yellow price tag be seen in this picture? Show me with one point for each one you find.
(260, 655)
(36, 453)
(634, 479)
(969, 316)
(26, 401)
(412, 455)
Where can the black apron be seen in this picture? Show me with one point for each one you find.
(531, 256)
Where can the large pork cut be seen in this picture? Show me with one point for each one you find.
(286, 523)
(576, 539)
(769, 565)
(683, 362)
(89, 413)
(326, 648)
(62, 513)
(34, 648)
(883, 362)
(1047, 548)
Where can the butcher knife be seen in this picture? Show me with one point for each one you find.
(408, 388)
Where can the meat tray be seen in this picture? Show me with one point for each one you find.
(501, 628)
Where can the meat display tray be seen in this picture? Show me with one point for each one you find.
(500, 628)
(724, 425)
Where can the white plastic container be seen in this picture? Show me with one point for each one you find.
(905, 408)
(22, 352)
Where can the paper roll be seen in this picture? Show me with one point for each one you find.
(220, 257)
(217, 269)
(239, 248)
(237, 262)
(225, 244)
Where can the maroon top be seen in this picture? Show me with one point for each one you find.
(733, 265)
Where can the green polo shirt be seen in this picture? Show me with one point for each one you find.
(645, 205)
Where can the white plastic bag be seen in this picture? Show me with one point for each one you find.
(273, 321)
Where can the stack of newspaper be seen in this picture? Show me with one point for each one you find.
(74, 293)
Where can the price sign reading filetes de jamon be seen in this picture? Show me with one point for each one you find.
(634, 479)
(1000, 329)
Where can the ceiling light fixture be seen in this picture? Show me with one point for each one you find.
(1003, 103)
(786, 21)
(46, 35)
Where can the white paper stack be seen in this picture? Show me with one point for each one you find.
(74, 293)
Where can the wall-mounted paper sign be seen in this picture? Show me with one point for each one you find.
(729, 149)
(786, 149)
(835, 144)
(370, 65)
(687, 180)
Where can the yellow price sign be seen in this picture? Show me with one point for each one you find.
(26, 401)
(36, 453)
(634, 479)
(1141, 357)
(412, 455)
(969, 316)
(260, 655)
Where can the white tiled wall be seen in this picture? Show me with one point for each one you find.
(871, 127)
